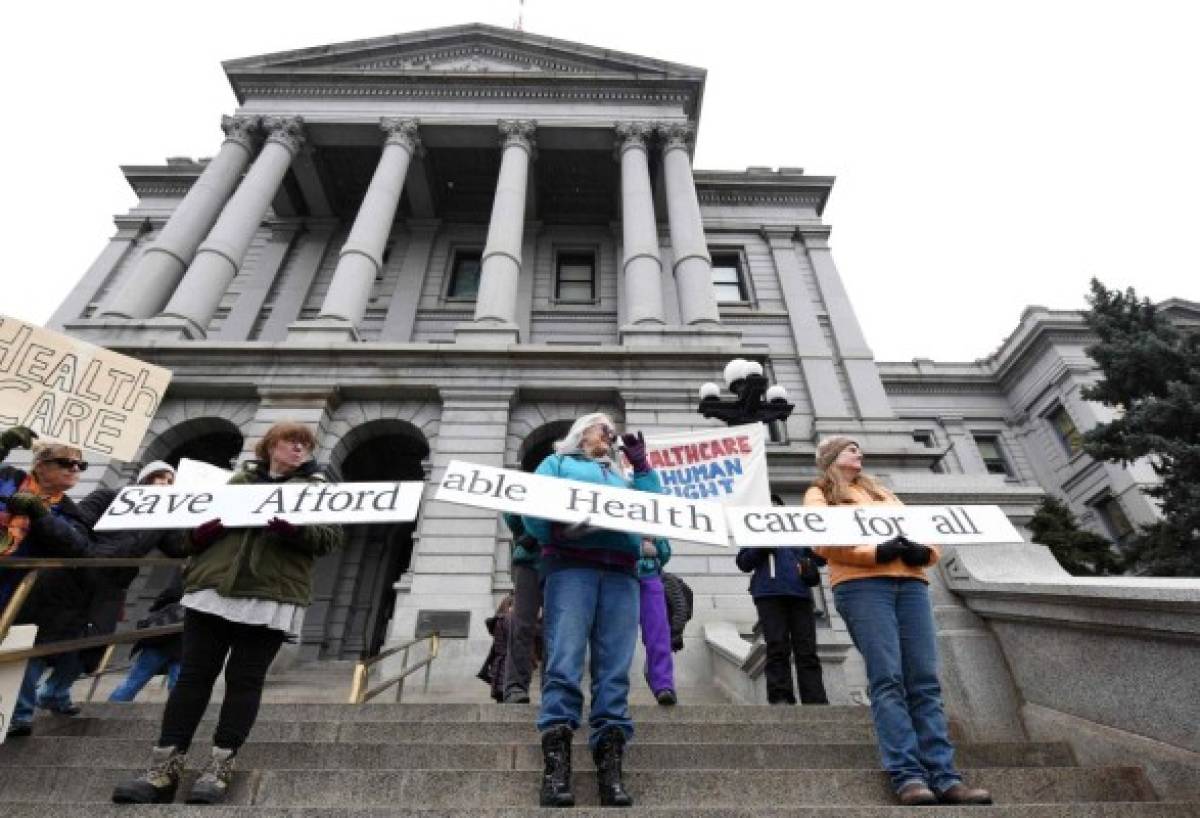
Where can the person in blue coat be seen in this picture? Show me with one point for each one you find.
(781, 583)
(590, 601)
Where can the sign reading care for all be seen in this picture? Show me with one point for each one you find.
(640, 512)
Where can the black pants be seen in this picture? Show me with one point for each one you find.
(790, 629)
(522, 634)
(207, 642)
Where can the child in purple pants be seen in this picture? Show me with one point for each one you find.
(656, 626)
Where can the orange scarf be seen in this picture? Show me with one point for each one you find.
(15, 527)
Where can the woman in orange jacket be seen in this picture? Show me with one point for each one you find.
(882, 593)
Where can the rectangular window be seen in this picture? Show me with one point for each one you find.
(464, 275)
(729, 280)
(1110, 512)
(1064, 428)
(924, 439)
(575, 278)
(993, 455)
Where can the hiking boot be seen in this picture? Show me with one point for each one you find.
(608, 755)
(158, 784)
(916, 794)
(961, 794)
(213, 783)
(516, 696)
(19, 730)
(666, 697)
(556, 779)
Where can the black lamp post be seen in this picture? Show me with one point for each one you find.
(754, 398)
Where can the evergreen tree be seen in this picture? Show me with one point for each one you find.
(1082, 553)
(1151, 376)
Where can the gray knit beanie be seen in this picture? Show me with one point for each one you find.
(829, 449)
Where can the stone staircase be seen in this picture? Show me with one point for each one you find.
(321, 760)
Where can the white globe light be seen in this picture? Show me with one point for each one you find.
(777, 393)
(709, 390)
(735, 371)
(751, 368)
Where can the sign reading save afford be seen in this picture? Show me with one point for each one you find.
(666, 515)
(158, 507)
(71, 392)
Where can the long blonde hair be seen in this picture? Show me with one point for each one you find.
(833, 484)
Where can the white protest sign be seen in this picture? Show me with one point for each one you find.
(727, 466)
(13, 673)
(72, 392)
(159, 507)
(869, 525)
(198, 474)
(571, 501)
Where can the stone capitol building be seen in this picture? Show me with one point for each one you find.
(451, 243)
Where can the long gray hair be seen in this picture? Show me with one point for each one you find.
(570, 443)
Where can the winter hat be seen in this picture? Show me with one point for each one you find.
(829, 449)
(153, 468)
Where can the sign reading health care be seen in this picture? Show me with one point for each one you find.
(727, 466)
(71, 392)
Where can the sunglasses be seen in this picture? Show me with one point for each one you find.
(68, 463)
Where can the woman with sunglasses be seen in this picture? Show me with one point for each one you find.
(590, 602)
(37, 519)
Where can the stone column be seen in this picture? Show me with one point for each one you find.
(693, 265)
(129, 230)
(639, 231)
(220, 255)
(162, 265)
(496, 304)
(361, 258)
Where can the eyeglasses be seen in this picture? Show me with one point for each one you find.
(68, 463)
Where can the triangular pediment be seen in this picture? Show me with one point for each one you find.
(470, 49)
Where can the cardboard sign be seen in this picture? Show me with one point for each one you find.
(159, 507)
(13, 673)
(572, 501)
(76, 393)
(869, 525)
(727, 466)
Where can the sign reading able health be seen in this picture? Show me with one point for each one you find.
(71, 392)
(161, 507)
(869, 525)
(571, 501)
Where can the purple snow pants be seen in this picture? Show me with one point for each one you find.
(656, 635)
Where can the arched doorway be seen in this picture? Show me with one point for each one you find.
(210, 440)
(354, 591)
(540, 443)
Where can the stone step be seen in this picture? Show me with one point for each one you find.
(496, 713)
(386, 732)
(1089, 810)
(73, 752)
(458, 790)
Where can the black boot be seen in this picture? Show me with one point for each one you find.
(556, 780)
(609, 752)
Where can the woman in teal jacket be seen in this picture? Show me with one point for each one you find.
(590, 600)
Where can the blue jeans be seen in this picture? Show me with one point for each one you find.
(891, 623)
(55, 693)
(148, 664)
(597, 609)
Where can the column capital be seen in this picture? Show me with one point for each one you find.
(403, 132)
(815, 237)
(287, 131)
(241, 129)
(633, 135)
(674, 135)
(518, 133)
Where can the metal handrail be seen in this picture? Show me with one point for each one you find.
(72, 645)
(360, 693)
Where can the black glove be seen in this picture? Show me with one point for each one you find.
(809, 574)
(916, 555)
(18, 437)
(25, 504)
(206, 534)
(890, 550)
(282, 528)
(635, 451)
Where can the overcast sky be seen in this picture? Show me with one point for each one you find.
(989, 155)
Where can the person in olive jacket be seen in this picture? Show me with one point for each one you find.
(245, 590)
(781, 585)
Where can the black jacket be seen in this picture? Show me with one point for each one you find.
(679, 606)
(792, 572)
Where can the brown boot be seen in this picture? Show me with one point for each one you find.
(962, 795)
(916, 794)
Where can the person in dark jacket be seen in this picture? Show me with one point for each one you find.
(37, 519)
(245, 590)
(499, 626)
(527, 603)
(781, 584)
(105, 588)
(160, 654)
